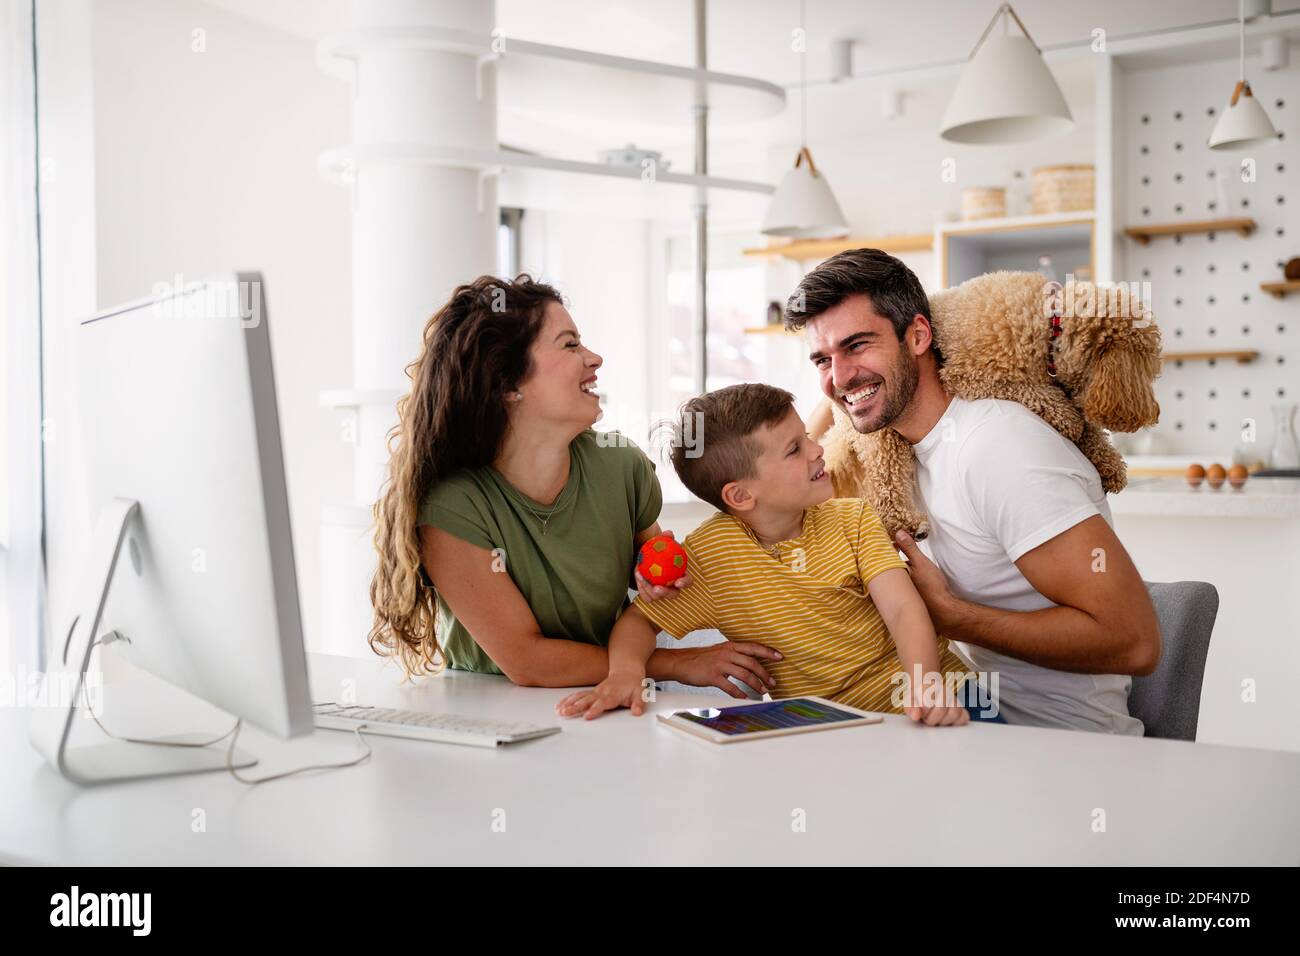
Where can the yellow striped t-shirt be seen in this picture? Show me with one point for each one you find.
(806, 598)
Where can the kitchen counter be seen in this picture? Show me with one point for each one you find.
(1173, 497)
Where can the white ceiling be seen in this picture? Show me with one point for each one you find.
(753, 38)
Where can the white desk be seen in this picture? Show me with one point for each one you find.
(622, 790)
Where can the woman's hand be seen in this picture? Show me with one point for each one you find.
(652, 592)
(711, 666)
(617, 690)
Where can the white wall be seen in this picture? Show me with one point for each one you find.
(205, 162)
(602, 268)
(1204, 289)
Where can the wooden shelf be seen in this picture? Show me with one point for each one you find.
(1239, 355)
(768, 330)
(1034, 224)
(1144, 234)
(801, 250)
(1280, 289)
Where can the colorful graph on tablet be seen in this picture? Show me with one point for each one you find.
(774, 715)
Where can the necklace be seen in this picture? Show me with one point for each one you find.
(545, 519)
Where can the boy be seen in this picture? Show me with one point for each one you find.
(812, 577)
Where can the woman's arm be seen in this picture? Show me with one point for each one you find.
(489, 605)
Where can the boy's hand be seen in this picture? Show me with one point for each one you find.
(615, 691)
(938, 716)
(651, 592)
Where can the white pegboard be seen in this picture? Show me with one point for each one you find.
(1204, 288)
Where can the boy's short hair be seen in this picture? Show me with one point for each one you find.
(723, 422)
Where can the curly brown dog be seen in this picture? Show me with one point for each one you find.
(995, 333)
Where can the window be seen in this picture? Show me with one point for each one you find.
(736, 301)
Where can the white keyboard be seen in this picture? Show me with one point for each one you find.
(420, 725)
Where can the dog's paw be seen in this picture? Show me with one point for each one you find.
(915, 524)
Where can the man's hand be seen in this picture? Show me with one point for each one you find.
(651, 592)
(615, 691)
(929, 581)
(711, 666)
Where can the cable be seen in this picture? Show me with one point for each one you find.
(803, 77)
(85, 695)
(251, 781)
(1241, 36)
(230, 751)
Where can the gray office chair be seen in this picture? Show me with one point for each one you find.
(1168, 702)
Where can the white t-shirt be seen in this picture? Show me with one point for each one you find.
(997, 481)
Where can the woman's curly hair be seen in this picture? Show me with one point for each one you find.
(475, 349)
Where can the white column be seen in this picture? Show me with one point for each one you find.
(419, 229)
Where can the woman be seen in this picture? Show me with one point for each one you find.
(508, 528)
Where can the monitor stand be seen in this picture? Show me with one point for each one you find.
(64, 687)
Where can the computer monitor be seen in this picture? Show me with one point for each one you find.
(191, 570)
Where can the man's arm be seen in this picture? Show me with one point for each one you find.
(1104, 624)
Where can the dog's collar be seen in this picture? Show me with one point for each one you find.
(1054, 332)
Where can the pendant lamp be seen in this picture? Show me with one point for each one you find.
(1006, 93)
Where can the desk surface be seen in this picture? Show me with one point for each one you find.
(623, 790)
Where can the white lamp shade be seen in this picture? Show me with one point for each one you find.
(1006, 94)
(1243, 124)
(803, 207)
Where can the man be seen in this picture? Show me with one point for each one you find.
(1021, 565)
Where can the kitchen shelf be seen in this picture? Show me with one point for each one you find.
(768, 330)
(1280, 289)
(1242, 356)
(596, 84)
(802, 250)
(968, 249)
(548, 182)
(1144, 234)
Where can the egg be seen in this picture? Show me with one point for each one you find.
(1215, 475)
(1237, 476)
(1195, 475)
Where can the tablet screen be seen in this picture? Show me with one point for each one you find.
(773, 715)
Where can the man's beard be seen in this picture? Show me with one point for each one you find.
(904, 376)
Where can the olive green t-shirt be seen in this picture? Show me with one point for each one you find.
(574, 574)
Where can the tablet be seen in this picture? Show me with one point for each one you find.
(795, 715)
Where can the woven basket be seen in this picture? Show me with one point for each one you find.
(1067, 188)
(983, 202)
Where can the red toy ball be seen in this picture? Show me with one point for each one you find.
(662, 560)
